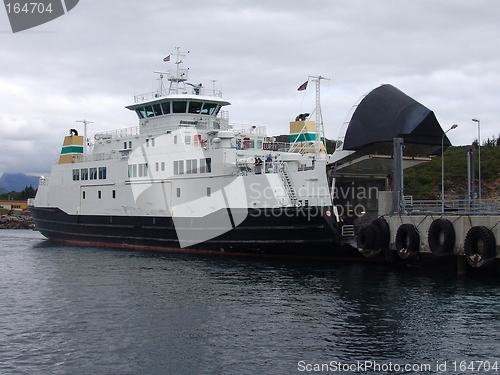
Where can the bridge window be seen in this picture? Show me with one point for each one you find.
(195, 107)
(209, 109)
(179, 106)
(157, 110)
(141, 112)
(149, 111)
(166, 108)
(76, 174)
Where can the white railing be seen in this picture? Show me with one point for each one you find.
(455, 206)
(248, 129)
(188, 90)
(118, 133)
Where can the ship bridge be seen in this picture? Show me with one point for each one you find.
(177, 110)
(182, 103)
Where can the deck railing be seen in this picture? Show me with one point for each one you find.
(454, 206)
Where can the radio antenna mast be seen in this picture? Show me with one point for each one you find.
(85, 123)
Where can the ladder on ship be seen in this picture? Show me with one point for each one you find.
(287, 183)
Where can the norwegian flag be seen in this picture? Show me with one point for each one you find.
(166, 59)
(303, 86)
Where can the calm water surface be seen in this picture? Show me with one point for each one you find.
(69, 310)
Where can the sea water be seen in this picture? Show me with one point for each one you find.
(85, 310)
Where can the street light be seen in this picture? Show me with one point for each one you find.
(454, 126)
(478, 154)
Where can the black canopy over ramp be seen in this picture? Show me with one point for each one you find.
(386, 113)
(366, 160)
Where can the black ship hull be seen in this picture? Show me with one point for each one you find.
(303, 232)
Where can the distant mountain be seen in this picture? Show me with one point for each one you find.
(17, 182)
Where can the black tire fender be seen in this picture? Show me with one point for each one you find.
(369, 238)
(385, 232)
(441, 237)
(480, 246)
(407, 241)
(366, 238)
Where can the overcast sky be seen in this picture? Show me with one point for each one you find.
(89, 63)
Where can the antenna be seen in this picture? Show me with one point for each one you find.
(85, 123)
(213, 85)
(161, 87)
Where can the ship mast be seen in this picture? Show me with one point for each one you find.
(85, 123)
(179, 76)
(320, 131)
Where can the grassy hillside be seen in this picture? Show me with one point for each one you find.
(424, 181)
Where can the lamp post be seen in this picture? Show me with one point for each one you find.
(478, 154)
(454, 126)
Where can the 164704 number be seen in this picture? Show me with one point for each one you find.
(28, 8)
(484, 366)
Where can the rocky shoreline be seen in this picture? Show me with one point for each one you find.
(16, 222)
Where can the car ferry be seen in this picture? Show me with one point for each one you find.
(186, 179)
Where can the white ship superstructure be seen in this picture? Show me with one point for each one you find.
(186, 178)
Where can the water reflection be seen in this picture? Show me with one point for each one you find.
(171, 313)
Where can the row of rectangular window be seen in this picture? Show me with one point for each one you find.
(152, 142)
(192, 166)
(138, 170)
(93, 173)
(178, 106)
(99, 194)
(113, 193)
